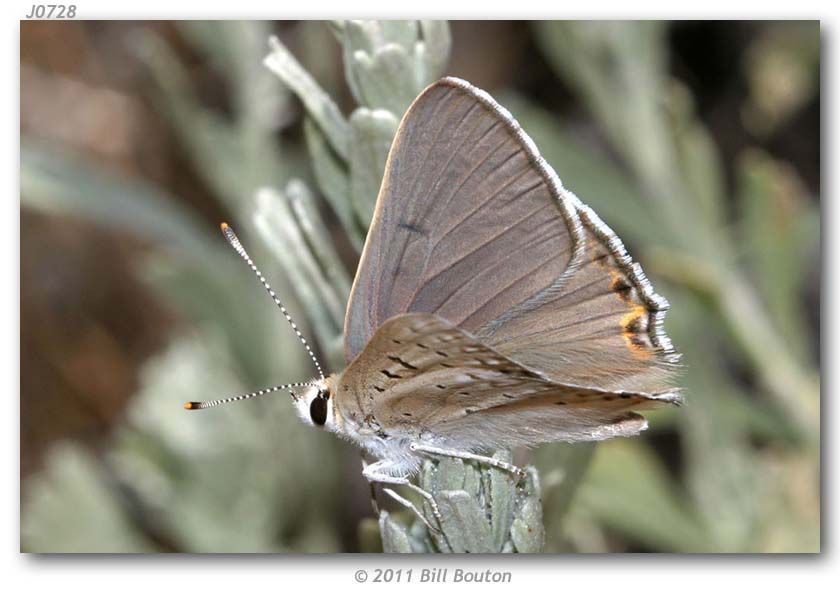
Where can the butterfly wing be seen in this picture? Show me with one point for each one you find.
(471, 224)
(603, 327)
(419, 368)
(463, 213)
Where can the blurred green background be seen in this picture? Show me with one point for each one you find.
(698, 142)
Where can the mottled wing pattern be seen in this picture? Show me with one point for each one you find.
(419, 368)
(468, 222)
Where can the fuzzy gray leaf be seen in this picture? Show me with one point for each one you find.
(318, 104)
(372, 133)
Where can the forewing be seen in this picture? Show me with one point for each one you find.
(469, 222)
(420, 372)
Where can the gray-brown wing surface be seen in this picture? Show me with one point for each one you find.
(420, 370)
(471, 224)
(466, 224)
(603, 327)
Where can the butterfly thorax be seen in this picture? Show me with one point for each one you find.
(354, 418)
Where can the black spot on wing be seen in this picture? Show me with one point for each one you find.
(621, 287)
(634, 325)
(405, 364)
(411, 227)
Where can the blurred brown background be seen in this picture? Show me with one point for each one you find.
(90, 321)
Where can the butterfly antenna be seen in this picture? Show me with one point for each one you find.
(237, 245)
(212, 403)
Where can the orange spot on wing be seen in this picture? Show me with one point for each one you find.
(631, 337)
(636, 313)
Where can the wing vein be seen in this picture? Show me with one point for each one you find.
(482, 246)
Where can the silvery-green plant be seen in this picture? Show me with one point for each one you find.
(481, 510)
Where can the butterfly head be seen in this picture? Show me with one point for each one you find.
(316, 405)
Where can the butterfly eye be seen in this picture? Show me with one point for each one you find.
(318, 409)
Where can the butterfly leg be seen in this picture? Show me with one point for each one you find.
(409, 505)
(373, 501)
(374, 473)
(486, 460)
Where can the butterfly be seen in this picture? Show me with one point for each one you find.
(491, 308)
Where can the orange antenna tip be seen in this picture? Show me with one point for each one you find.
(191, 405)
(225, 226)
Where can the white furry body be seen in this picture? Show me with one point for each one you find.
(396, 448)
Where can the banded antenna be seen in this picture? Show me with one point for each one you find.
(237, 245)
(271, 390)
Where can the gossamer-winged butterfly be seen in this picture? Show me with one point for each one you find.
(491, 308)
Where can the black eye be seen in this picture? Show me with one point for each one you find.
(318, 409)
